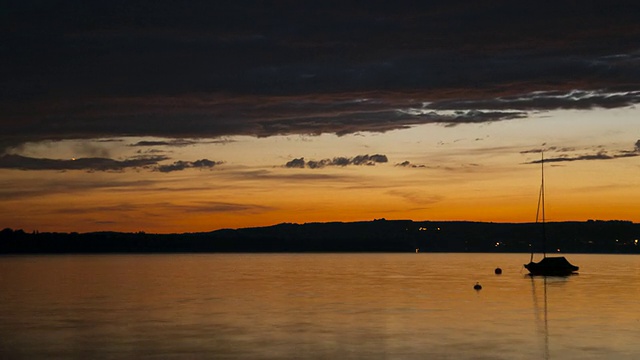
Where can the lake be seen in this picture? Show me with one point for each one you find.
(316, 306)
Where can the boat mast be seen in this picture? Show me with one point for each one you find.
(540, 213)
(544, 232)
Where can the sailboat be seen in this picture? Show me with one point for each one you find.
(549, 265)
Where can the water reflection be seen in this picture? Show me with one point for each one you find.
(541, 307)
(541, 320)
(315, 306)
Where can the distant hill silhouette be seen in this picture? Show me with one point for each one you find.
(371, 236)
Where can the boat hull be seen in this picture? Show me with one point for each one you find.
(551, 266)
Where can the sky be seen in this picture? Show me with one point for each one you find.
(172, 116)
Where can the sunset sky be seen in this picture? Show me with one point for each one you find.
(168, 116)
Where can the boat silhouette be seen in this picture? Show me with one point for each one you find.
(549, 265)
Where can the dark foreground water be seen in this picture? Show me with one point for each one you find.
(316, 306)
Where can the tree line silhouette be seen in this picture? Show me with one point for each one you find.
(369, 236)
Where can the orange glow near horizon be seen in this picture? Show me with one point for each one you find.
(368, 194)
(465, 173)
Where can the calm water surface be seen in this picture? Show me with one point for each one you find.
(316, 306)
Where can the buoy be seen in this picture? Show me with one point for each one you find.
(498, 271)
(477, 286)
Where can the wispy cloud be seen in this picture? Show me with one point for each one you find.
(369, 160)
(37, 188)
(416, 196)
(601, 154)
(218, 207)
(457, 117)
(195, 207)
(545, 100)
(450, 168)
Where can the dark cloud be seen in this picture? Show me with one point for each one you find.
(176, 142)
(182, 165)
(408, 164)
(100, 164)
(337, 161)
(90, 164)
(295, 163)
(179, 142)
(176, 166)
(478, 116)
(315, 164)
(460, 168)
(150, 151)
(368, 160)
(216, 68)
(204, 163)
(377, 158)
(218, 115)
(599, 155)
(289, 47)
(548, 149)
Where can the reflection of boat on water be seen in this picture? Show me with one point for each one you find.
(541, 311)
(549, 265)
(544, 329)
